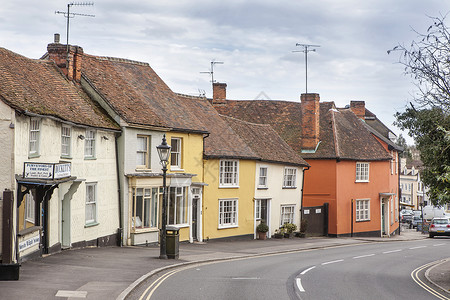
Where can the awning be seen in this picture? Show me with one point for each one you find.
(407, 204)
(386, 194)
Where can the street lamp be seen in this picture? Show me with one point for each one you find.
(164, 153)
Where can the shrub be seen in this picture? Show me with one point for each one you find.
(262, 227)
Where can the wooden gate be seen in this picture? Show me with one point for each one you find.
(317, 218)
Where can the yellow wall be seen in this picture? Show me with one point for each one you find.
(212, 193)
(191, 153)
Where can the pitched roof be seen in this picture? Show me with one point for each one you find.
(138, 94)
(342, 135)
(233, 138)
(38, 87)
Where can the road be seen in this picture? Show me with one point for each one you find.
(367, 271)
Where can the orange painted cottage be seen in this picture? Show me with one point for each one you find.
(354, 163)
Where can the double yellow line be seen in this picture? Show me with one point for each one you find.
(415, 277)
(158, 282)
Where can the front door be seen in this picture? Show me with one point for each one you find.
(262, 212)
(194, 217)
(383, 219)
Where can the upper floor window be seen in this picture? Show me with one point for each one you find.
(35, 130)
(362, 172)
(66, 134)
(229, 173)
(142, 152)
(262, 177)
(289, 177)
(89, 146)
(175, 154)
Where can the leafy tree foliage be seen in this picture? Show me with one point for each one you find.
(401, 141)
(427, 60)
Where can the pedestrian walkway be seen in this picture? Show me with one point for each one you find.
(105, 273)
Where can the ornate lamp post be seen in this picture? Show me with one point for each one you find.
(164, 153)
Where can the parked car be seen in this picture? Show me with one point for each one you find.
(407, 218)
(415, 221)
(439, 226)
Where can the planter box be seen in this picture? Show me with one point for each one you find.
(9, 272)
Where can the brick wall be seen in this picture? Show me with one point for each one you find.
(310, 120)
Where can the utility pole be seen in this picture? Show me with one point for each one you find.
(306, 49)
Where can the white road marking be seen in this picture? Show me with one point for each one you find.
(299, 285)
(71, 294)
(361, 256)
(309, 269)
(392, 251)
(438, 245)
(418, 247)
(332, 262)
(245, 278)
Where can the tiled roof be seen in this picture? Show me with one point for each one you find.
(265, 142)
(38, 87)
(342, 135)
(231, 137)
(138, 94)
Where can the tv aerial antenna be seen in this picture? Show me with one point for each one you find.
(306, 49)
(69, 15)
(211, 71)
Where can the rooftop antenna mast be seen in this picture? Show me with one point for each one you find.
(306, 49)
(211, 72)
(68, 15)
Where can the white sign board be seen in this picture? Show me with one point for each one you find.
(29, 243)
(62, 171)
(318, 210)
(306, 211)
(46, 171)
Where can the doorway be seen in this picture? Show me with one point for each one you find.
(195, 201)
(262, 213)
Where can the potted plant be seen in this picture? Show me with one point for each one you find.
(303, 227)
(279, 233)
(289, 229)
(262, 229)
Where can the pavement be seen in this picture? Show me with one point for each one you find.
(113, 272)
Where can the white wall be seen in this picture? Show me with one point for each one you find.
(278, 195)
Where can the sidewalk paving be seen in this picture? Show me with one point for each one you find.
(105, 273)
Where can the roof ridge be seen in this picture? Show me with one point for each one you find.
(118, 59)
(190, 96)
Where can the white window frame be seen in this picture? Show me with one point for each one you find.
(143, 153)
(287, 214)
(66, 141)
(89, 144)
(362, 210)
(178, 204)
(91, 203)
(290, 177)
(30, 208)
(35, 136)
(262, 179)
(257, 209)
(149, 208)
(175, 153)
(229, 218)
(229, 173)
(362, 172)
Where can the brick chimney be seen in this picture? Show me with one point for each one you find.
(70, 64)
(310, 104)
(358, 108)
(219, 92)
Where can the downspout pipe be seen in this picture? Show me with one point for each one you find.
(303, 187)
(119, 190)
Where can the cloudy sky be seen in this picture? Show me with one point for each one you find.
(254, 39)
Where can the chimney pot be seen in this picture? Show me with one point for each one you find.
(57, 38)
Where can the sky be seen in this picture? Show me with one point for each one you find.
(255, 40)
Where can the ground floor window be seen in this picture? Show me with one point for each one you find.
(91, 203)
(363, 210)
(178, 205)
(145, 208)
(287, 214)
(29, 208)
(228, 213)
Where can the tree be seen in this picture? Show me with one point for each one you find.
(401, 141)
(428, 62)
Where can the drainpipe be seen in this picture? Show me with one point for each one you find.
(303, 187)
(120, 233)
(203, 191)
(351, 234)
(399, 193)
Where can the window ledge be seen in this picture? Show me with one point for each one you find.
(359, 221)
(228, 187)
(359, 181)
(90, 158)
(176, 169)
(289, 187)
(66, 157)
(263, 188)
(228, 227)
(145, 230)
(91, 224)
(35, 155)
(179, 225)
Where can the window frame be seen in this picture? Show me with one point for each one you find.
(289, 216)
(34, 137)
(68, 139)
(233, 214)
(145, 152)
(30, 206)
(361, 211)
(150, 215)
(233, 175)
(180, 203)
(176, 152)
(93, 203)
(90, 144)
(290, 180)
(263, 177)
(362, 175)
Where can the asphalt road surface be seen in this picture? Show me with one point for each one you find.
(389, 270)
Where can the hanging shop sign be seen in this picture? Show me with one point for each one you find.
(47, 171)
